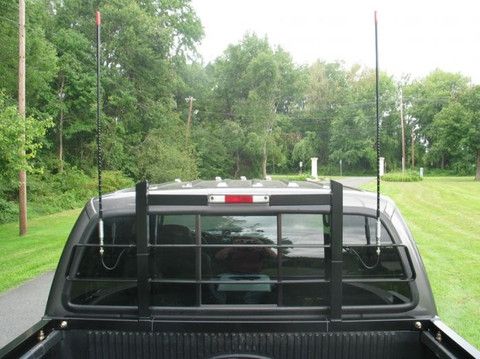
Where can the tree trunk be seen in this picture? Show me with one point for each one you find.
(264, 160)
(237, 165)
(60, 142)
(477, 176)
(413, 149)
(60, 128)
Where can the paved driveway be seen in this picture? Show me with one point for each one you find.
(355, 181)
(23, 306)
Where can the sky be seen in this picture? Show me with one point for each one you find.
(415, 37)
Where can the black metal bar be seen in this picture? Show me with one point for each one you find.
(198, 258)
(302, 199)
(359, 245)
(279, 261)
(143, 285)
(96, 245)
(101, 280)
(240, 245)
(336, 251)
(219, 281)
(377, 280)
(177, 200)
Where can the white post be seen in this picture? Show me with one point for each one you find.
(421, 171)
(314, 167)
(382, 166)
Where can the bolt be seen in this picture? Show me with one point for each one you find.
(438, 337)
(418, 325)
(63, 324)
(41, 335)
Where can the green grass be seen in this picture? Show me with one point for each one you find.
(26, 257)
(443, 214)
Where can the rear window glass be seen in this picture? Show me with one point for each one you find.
(237, 259)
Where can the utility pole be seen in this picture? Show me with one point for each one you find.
(413, 147)
(189, 99)
(403, 130)
(22, 176)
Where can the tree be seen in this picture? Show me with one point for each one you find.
(456, 129)
(143, 44)
(327, 91)
(160, 158)
(253, 85)
(10, 141)
(427, 97)
(353, 127)
(305, 148)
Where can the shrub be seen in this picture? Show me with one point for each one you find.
(8, 211)
(402, 177)
(115, 180)
(291, 177)
(50, 193)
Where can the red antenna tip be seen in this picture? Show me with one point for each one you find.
(375, 16)
(98, 19)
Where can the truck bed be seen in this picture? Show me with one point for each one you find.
(98, 339)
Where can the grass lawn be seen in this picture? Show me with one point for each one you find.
(443, 214)
(26, 257)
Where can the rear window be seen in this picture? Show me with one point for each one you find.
(205, 260)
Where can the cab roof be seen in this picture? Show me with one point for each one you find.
(352, 197)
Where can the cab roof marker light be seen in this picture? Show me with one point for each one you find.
(178, 180)
(238, 199)
(243, 178)
(218, 178)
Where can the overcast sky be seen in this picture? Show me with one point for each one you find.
(415, 37)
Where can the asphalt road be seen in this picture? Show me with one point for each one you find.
(23, 306)
(355, 181)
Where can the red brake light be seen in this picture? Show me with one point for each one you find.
(238, 199)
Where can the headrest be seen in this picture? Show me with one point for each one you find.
(174, 234)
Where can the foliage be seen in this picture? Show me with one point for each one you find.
(401, 177)
(424, 99)
(305, 148)
(255, 111)
(253, 85)
(12, 132)
(162, 159)
(70, 189)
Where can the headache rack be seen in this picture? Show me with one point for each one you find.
(331, 203)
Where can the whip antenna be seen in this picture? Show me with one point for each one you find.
(379, 225)
(99, 147)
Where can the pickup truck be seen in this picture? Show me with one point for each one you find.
(240, 269)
